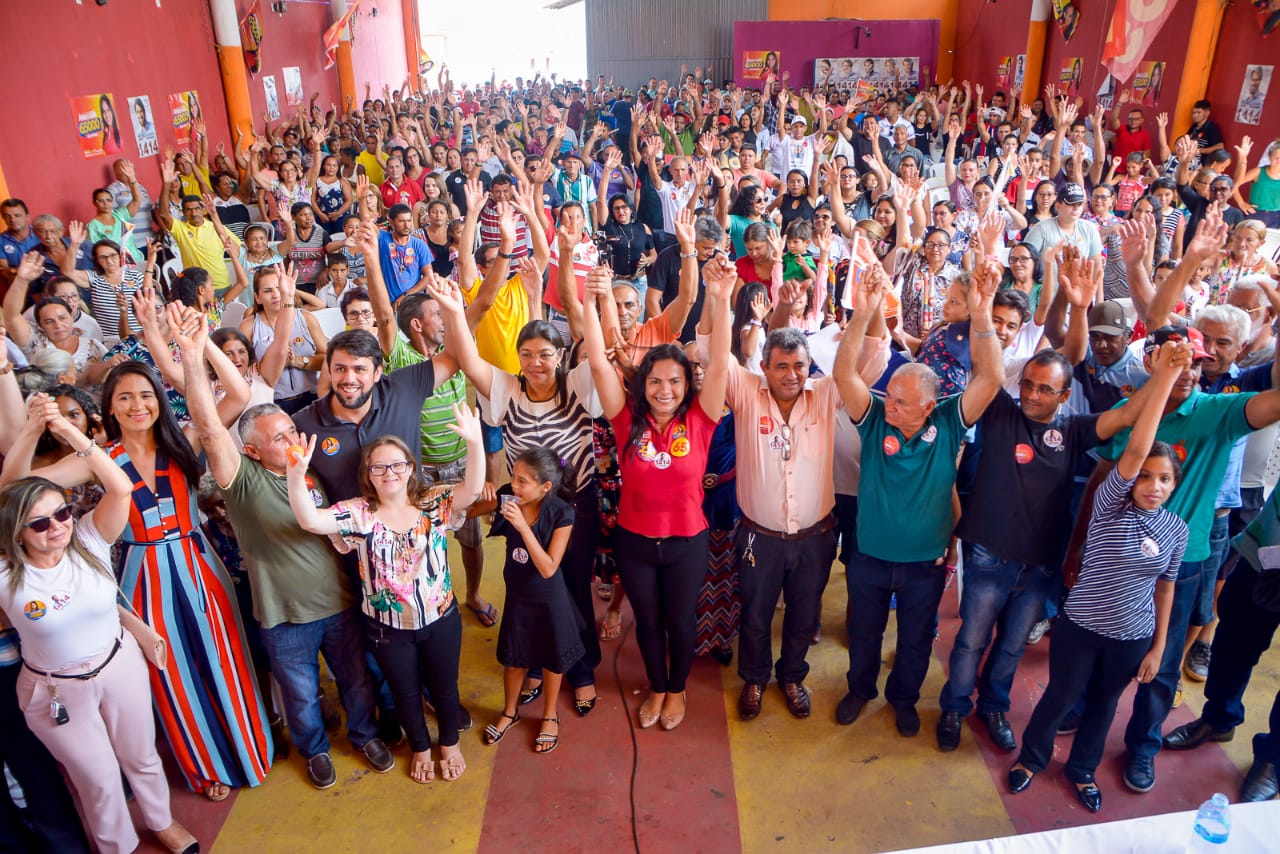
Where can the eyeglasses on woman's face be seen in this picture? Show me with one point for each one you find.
(396, 468)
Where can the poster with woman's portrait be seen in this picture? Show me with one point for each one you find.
(273, 97)
(1067, 14)
(1004, 72)
(759, 64)
(1069, 78)
(185, 107)
(1147, 83)
(144, 126)
(97, 127)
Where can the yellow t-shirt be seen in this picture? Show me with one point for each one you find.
(201, 247)
(372, 167)
(497, 331)
(191, 185)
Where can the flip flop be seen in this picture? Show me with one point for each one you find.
(610, 630)
(488, 617)
(451, 767)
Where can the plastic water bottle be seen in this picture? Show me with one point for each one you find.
(1213, 824)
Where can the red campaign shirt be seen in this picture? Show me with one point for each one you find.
(1127, 142)
(662, 477)
(409, 192)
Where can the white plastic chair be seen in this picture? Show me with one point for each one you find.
(331, 321)
(233, 314)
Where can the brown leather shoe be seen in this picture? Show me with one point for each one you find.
(749, 701)
(797, 698)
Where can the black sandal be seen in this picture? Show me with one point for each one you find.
(493, 735)
(528, 695)
(546, 738)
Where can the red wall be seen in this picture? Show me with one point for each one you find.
(57, 51)
(377, 54)
(1242, 44)
(1169, 46)
(293, 39)
(985, 32)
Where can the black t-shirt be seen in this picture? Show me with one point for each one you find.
(627, 245)
(664, 276)
(1020, 506)
(1206, 135)
(649, 211)
(440, 260)
(456, 182)
(397, 409)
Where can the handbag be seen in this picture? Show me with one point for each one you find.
(155, 649)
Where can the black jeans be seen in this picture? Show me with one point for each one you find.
(662, 579)
(768, 566)
(1081, 664)
(410, 658)
(49, 806)
(577, 566)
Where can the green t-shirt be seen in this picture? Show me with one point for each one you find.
(1202, 431)
(440, 445)
(904, 492)
(296, 577)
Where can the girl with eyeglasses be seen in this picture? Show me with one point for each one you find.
(398, 527)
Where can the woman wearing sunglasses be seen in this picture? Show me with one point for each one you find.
(411, 617)
(83, 685)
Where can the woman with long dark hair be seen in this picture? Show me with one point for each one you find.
(207, 701)
(110, 126)
(664, 429)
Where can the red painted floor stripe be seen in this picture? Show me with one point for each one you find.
(1183, 779)
(684, 791)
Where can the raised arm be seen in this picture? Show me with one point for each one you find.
(458, 341)
(317, 520)
(1167, 364)
(476, 199)
(613, 397)
(679, 308)
(496, 278)
(988, 365)
(867, 296)
(720, 276)
(566, 283)
(211, 428)
(15, 299)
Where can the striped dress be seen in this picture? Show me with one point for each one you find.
(719, 608)
(207, 699)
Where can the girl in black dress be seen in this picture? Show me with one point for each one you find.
(541, 627)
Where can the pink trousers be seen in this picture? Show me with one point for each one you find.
(111, 729)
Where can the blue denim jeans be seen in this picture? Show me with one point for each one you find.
(294, 649)
(1004, 595)
(1219, 542)
(1153, 700)
(918, 587)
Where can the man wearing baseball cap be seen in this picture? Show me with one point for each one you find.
(1067, 226)
(1202, 429)
(796, 150)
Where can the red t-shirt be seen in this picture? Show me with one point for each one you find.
(409, 192)
(662, 478)
(1127, 142)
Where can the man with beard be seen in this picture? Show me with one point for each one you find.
(405, 260)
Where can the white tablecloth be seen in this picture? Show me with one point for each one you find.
(1254, 828)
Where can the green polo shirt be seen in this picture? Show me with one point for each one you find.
(1202, 431)
(440, 445)
(904, 493)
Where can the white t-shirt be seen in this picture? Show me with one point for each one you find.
(796, 154)
(66, 614)
(85, 324)
(674, 199)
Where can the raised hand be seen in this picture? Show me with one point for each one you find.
(720, 276)
(76, 232)
(475, 194)
(467, 423)
(144, 307)
(1135, 235)
(684, 221)
(446, 292)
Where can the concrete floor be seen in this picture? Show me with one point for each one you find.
(714, 784)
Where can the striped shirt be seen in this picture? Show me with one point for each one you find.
(1126, 551)
(440, 445)
(564, 428)
(106, 308)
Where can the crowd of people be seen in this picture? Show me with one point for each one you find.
(719, 338)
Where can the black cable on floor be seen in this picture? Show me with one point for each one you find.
(631, 727)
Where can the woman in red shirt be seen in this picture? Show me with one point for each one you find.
(664, 430)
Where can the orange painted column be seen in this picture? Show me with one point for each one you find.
(342, 56)
(948, 17)
(4, 186)
(409, 9)
(1205, 28)
(235, 78)
(1037, 38)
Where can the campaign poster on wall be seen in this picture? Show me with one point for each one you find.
(273, 98)
(1004, 72)
(1268, 12)
(97, 127)
(293, 94)
(1069, 77)
(185, 107)
(1253, 94)
(884, 73)
(1147, 83)
(144, 126)
(1067, 14)
(1019, 70)
(759, 64)
(1107, 92)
